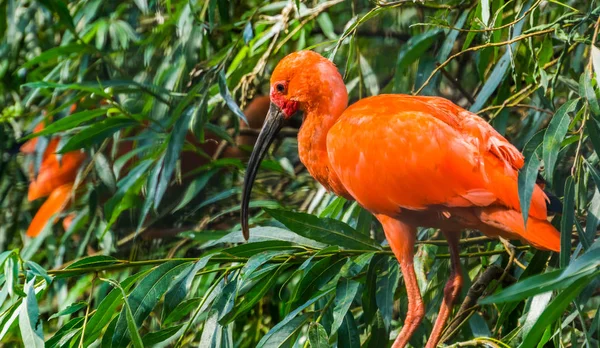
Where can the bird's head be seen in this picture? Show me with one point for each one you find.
(302, 81)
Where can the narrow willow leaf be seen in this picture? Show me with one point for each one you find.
(105, 172)
(317, 276)
(587, 91)
(68, 122)
(379, 336)
(73, 308)
(553, 312)
(93, 261)
(38, 270)
(596, 61)
(485, 12)
(248, 33)
(536, 307)
(266, 338)
(30, 324)
(593, 217)
(369, 77)
(500, 69)
(348, 335)
(566, 222)
(142, 5)
(317, 336)
(56, 52)
(345, 293)
(584, 267)
(96, 133)
(529, 173)
(176, 140)
(231, 104)
(328, 231)
(387, 281)
(145, 296)
(326, 25)
(106, 309)
(194, 188)
(411, 51)
(153, 338)
(554, 135)
(182, 286)
(65, 333)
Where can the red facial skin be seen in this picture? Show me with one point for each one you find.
(279, 98)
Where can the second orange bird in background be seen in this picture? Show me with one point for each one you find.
(411, 161)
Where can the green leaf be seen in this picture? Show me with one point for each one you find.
(554, 135)
(328, 231)
(260, 234)
(411, 51)
(345, 293)
(32, 333)
(348, 335)
(136, 339)
(61, 9)
(553, 312)
(587, 91)
(73, 308)
(96, 133)
(105, 172)
(176, 140)
(38, 270)
(153, 338)
(596, 61)
(93, 261)
(379, 336)
(142, 5)
(180, 289)
(144, 298)
(231, 104)
(584, 267)
(317, 336)
(106, 309)
(66, 332)
(566, 222)
(499, 72)
(317, 276)
(387, 281)
(183, 309)
(68, 122)
(266, 340)
(248, 33)
(485, 12)
(528, 174)
(251, 249)
(56, 52)
(369, 77)
(195, 187)
(285, 334)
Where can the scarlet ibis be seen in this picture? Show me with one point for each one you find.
(411, 161)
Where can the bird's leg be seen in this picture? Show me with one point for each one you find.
(402, 240)
(451, 290)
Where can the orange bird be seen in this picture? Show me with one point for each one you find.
(411, 161)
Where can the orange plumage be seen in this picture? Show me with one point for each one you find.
(412, 161)
(56, 203)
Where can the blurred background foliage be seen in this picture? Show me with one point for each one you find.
(146, 98)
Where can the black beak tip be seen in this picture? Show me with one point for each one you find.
(246, 233)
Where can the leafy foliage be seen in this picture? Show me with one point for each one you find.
(150, 251)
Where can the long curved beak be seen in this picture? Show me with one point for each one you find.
(273, 123)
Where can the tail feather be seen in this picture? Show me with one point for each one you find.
(509, 223)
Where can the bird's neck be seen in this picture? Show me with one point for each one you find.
(312, 140)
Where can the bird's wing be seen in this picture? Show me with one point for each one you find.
(392, 153)
(476, 130)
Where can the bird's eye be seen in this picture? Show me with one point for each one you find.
(280, 87)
